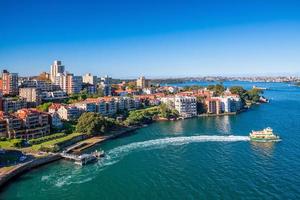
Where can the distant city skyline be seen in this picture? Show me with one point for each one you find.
(155, 39)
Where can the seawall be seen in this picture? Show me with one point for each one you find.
(21, 168)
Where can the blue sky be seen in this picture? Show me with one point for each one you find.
(166, 38)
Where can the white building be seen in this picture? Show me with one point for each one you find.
(56, 68)
(68, 112)
(87, 106)
(148, 90)
(185, 105)
(230, 103)
(68, 82)
(55, 120)
(55, 95)
(90, 79)
(105, 84)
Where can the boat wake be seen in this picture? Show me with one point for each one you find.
(114, 155)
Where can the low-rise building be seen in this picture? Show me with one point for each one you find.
(56, 120)
(13, 104)
(42, 85)
(110, 105)
(36, 123)
(25, 124)
(69, 112)
(54, 96)
(11, 125)
(86, 106)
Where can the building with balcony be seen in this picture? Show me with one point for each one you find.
(9, 83)
(24, 124)
(142, 83)
(69, 112)
(13, 104)
(213, 106)
(186, 106)
(31, 95)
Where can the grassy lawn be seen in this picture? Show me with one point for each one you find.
(51, 143)
(6, 145)
(36, 147)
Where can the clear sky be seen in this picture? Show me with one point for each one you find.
(155, 38)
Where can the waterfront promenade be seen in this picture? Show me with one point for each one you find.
(8, 173)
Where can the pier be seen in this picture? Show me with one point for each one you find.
(84, 158)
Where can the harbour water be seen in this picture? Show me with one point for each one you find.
(188, 159)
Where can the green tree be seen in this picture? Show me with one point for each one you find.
(218, 89)
(166, 112)
(237, 90)
(18, 143)
(93, 123)
(44, 107)
(192, 87)
(253, 95)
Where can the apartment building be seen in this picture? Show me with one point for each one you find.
(3, 127)
(90, 79)
(24, 124)
(42, 85)
(11, 126)
(9, 83)
(230, 103)
(110, 105)
(86, 106)
(56, 121)
(186, 106)
(142, 82)
(55, 69)
(69, 112)
(54, 96)
(35, 123)
(31, 95)
(13, 104)
(105, 84)
(213, 106)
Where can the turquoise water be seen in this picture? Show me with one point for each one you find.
(187, 159)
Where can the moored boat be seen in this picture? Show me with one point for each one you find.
(265, 135)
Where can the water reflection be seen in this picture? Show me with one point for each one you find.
(178, 128)
(263, 148)
(223, 125)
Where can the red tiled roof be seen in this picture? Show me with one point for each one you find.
(55, 106)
